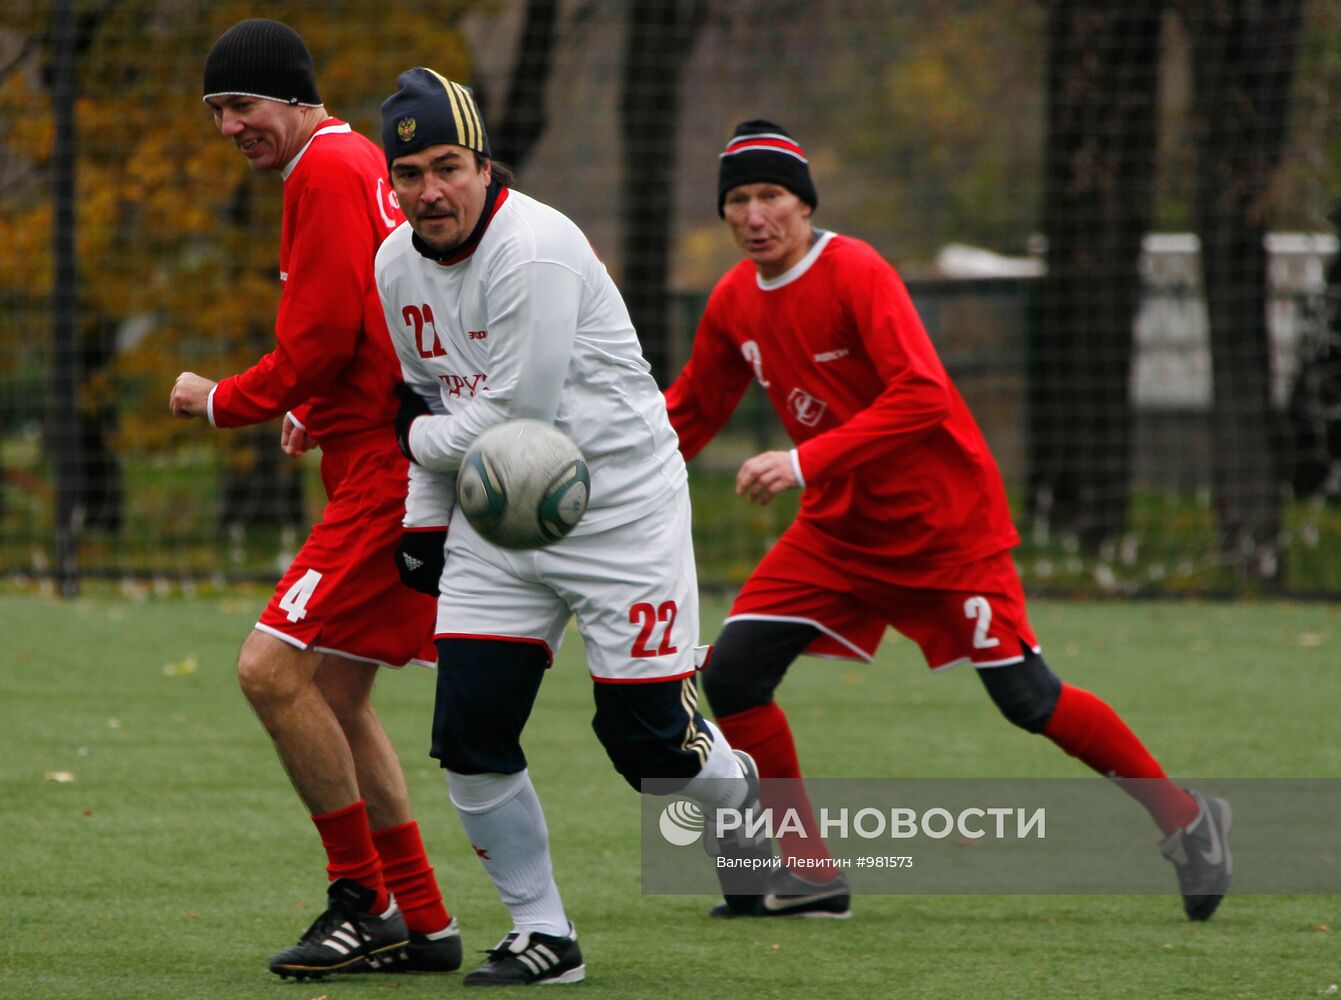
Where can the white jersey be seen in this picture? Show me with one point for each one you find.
(530, 325)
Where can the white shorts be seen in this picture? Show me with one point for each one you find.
(633, 589)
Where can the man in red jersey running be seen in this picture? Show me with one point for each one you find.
(903, 519)
(341, 608)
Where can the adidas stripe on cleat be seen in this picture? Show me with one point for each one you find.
(525, 958)
(346, 936)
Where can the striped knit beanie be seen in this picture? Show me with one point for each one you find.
(426, 110)
(761, 152)
(261, 58)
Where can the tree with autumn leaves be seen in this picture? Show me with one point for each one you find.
(177, 243)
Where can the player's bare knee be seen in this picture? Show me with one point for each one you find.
(1025, 692)
(269, 672)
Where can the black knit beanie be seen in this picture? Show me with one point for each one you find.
(261, 58)
(761, 152)
(426, 110)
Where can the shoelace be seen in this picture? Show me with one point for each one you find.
(329, 922)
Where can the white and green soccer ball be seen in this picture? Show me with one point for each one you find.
(523, 484)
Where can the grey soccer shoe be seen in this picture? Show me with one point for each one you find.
(746, 880)
(1200, 854)
(790, 895)
(526, 958)
(439, 953)
(345, 936)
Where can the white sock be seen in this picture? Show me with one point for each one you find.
(502, 817)
(721, 783)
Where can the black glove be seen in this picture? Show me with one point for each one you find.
(420, 558)
(412, 406)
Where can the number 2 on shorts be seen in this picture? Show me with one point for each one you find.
(977, 607)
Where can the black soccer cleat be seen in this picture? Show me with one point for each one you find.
(346, 936)
(526, 958)
(440, 952)
(746, 880)
(790, 895)
(1200, 854)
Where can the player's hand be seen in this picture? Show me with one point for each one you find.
(412, 407)
(763, 477)
(293, 437)
(190, 396)
(420, 559)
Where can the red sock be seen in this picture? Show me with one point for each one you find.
(1086, 727)
(409, 877)
(349, 850)
(764, 734)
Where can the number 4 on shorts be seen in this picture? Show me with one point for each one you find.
(294, 603)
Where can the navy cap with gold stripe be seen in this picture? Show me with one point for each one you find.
(428, 109)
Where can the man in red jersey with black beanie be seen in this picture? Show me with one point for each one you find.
(343, 606)
(903, 520)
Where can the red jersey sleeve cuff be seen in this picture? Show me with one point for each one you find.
(796, 468)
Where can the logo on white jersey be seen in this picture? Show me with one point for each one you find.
(750, 352)
(805, 407)
(465, 385)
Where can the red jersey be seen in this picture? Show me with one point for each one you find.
(334, 365)
(893, 464)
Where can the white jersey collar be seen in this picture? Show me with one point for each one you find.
(797, 269)
(324, 130)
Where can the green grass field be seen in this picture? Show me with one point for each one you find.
(177, 859)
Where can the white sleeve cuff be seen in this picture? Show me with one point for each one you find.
(796, 469)
(295, 421)
(209, 405)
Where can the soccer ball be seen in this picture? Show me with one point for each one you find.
(523, 484)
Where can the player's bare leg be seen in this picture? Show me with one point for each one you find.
(279, 681)
(361, 922)
(346, 686)
(435, 944)
(305, 701)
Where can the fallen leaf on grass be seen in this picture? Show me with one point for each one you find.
(62, 777)
(182, 667)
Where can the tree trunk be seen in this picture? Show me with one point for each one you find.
(1102, 92)
(660, 36)
(1315, 399)
(1243, 59)
(64, 432)
(524, 118)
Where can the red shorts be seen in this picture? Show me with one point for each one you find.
(342, 594)
(973, 613)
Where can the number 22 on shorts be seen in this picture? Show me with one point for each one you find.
(648, 617)
(294, 602)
